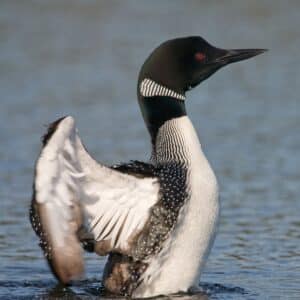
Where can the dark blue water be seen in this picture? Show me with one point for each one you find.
(82, 58)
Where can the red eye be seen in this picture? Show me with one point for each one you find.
(199, 56)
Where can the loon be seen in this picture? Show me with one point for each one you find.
(155, 221)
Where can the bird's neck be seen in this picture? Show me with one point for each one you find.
(158, 110)
(172, 133)
(176, 142)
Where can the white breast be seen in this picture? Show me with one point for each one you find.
(179, 265)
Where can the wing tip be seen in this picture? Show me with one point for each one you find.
(52, 127)
(67, 268)
(63, 253)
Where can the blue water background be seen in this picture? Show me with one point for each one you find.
(82, 58)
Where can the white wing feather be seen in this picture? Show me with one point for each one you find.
(73, 191)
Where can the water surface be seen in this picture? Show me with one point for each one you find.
(81, 58)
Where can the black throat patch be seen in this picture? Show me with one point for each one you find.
(158, 105)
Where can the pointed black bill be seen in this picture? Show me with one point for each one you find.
(219, 59)
(231, 56)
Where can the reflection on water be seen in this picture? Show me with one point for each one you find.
(82, 57)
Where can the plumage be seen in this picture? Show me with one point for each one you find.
(156, 221)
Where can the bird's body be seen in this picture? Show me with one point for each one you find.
(156, 221)
(180, 262)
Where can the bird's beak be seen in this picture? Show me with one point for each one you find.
(221, 58)
(226, 57)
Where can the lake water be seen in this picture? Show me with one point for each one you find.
(81, 58)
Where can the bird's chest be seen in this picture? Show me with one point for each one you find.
(197, 221)
(194, 233)
(180, 261)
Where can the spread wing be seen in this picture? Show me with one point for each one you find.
(75, 198)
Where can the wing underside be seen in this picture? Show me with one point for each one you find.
(77, 199)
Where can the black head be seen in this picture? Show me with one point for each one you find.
(175, 67)
(182, 63)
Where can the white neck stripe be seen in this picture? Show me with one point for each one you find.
(150, 88)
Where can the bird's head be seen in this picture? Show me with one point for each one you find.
(181, 64)
(175, 67)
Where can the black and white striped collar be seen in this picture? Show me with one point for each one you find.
(149, 88)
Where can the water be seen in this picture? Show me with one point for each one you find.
(82, 58)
